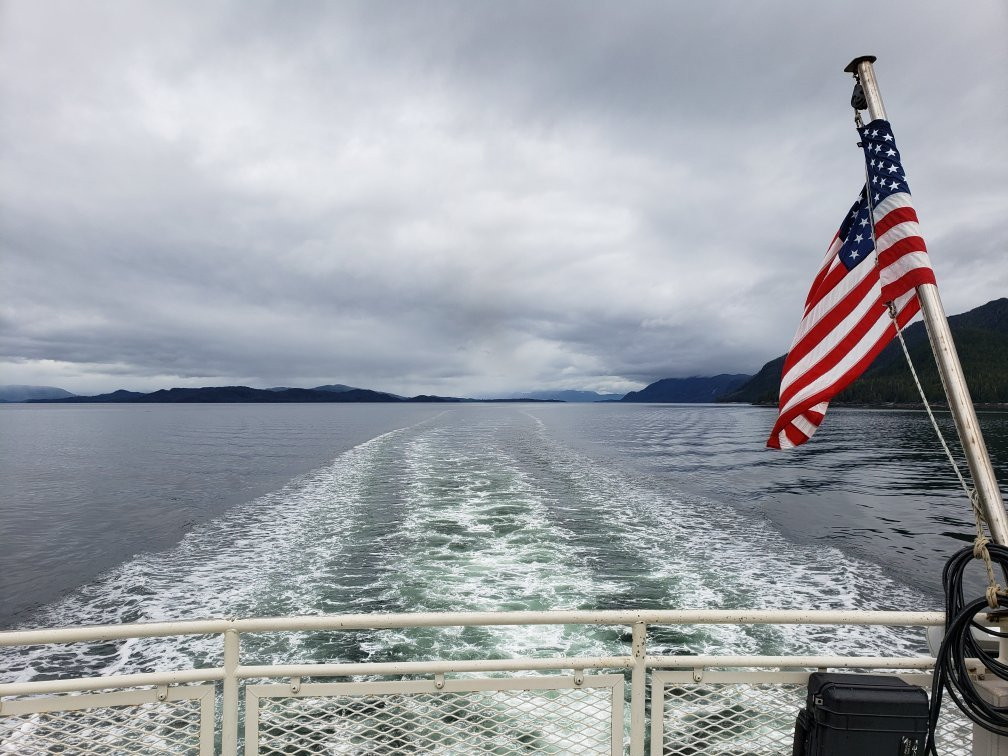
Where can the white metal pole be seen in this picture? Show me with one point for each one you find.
(949, 368)
(229, 697)
(638, 690)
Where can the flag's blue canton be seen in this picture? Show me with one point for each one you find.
(885, 172)
(856, 234)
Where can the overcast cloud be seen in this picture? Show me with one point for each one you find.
(464, 198)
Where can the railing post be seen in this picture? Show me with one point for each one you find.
(229, 698)
(638, 691)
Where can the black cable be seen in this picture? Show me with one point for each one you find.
(959, 644)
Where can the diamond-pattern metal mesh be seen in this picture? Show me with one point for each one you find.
(954, 735)
(148, 728)
(757, 719)
(573, 721)
(730, 719)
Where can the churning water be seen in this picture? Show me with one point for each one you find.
(468, 507)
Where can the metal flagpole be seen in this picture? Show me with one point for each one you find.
(944, 349)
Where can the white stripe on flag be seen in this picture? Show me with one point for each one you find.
(890, 203)
(906, 263)
(802, 423)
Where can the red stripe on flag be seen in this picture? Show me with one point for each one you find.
(894, 218)
(814, 417)
(902, 247)
(794, 435)
(907, 281)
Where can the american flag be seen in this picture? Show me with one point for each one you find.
(847, 322)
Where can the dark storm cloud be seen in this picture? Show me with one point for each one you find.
(463, 198)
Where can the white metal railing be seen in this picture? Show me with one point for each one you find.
(699, 703)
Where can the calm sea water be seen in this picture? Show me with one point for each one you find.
(148, 512)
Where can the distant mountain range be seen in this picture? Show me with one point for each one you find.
(333, 392)
(216, 394)
(981, 338)
(695, 390)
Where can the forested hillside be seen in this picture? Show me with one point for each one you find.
(981, 338)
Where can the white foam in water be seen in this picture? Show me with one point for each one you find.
(469, 512)
(710, 556)
(478, 536)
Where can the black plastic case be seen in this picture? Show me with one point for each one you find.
(867, 715)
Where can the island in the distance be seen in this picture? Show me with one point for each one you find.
(226, 394)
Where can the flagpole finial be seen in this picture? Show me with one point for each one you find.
(852, 67)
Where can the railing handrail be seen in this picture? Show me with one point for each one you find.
(320, 622)
(522, 664)
(233, 673)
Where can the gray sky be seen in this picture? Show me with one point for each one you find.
(464, 198)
